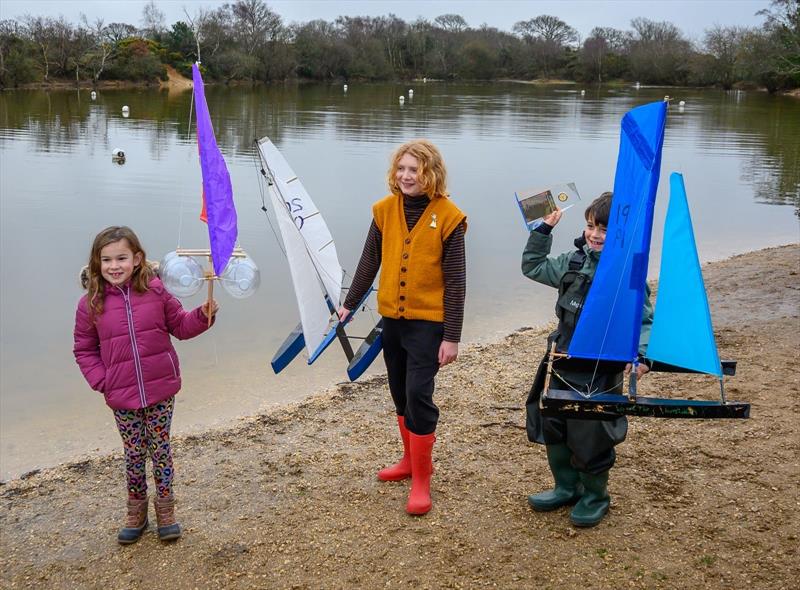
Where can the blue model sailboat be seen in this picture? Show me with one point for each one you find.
(606, 336)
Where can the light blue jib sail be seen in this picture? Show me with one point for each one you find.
(682, 334)
(610, 322)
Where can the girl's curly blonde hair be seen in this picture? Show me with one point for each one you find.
(142, 273)
(431, 173)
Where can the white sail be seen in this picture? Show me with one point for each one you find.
(310, 250)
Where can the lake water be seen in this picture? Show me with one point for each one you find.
(739, 153)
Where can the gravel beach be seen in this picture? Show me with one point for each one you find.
(289, 499)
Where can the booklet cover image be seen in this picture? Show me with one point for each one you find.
(538, 203)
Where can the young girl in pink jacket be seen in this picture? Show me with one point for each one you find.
(123, 348)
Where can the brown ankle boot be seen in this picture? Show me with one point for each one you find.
(135, 522)
(168, 527)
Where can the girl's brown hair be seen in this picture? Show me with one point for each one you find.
(431, 173)
(142, 273)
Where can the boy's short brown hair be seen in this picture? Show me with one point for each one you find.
(599, 209)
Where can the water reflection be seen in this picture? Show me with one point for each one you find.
(763, 128)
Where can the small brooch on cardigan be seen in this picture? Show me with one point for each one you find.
(433, 220)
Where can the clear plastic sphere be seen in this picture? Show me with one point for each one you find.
(167, 257)
(181, 275)
(241, 277)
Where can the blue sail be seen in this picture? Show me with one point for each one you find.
(682, 334)
(611, 318)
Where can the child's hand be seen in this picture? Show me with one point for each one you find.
(641, 369)
(448, 352)
(553, 219)
(205, 306)
(343, 312)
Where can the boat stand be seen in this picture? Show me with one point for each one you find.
(609, 406)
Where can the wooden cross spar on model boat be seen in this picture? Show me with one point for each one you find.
(606, 336)
(315, 269)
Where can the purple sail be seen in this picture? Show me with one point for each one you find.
(217, 191)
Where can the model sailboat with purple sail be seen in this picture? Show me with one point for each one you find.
(606, 336)
(181, 273)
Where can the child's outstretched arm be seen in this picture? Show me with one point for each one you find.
(536, 264)
(186, 324)
(87, 349)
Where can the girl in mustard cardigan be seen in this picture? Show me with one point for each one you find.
(417, 239)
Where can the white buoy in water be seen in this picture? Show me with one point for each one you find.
(118, 156)
(424, 80)
(125, 109)
(344, 87)
(638, 86)
(93, 95)
(682, 103)
(410, 93)
(583, 93)
(402, 99)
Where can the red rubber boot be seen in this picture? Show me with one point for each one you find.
(419, 499)
(402, 469)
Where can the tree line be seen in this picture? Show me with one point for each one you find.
(247, 41)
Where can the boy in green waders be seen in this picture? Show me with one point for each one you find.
(580, 452)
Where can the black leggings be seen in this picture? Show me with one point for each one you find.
(411, 352)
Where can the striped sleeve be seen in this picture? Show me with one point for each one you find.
(454, 268)
(367, 268)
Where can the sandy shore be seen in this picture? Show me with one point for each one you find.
(289, 499)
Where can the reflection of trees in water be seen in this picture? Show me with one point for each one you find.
(766, 129)
(372, 113)
(54, 120)
(60, 120)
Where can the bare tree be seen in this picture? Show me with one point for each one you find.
(256, 23)
(102, 48)
(63, 46)
(548, 37)
(723, 45)
(198, 24)
(550, 29)
(153, 20)
(116, 32)
(599, 48)
(616, 40)
(783, 22)
(658, 52)
(40, 31)
(452, 23)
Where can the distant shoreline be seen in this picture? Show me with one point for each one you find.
(177, 82)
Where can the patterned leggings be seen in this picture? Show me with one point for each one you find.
(144, 432)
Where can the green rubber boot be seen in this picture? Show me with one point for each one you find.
(568, 489)
(595, 501)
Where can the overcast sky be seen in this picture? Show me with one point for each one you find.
(691, 16)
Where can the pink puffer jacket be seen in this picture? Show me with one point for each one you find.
(127, 353)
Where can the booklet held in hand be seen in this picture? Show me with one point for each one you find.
(537, 203)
